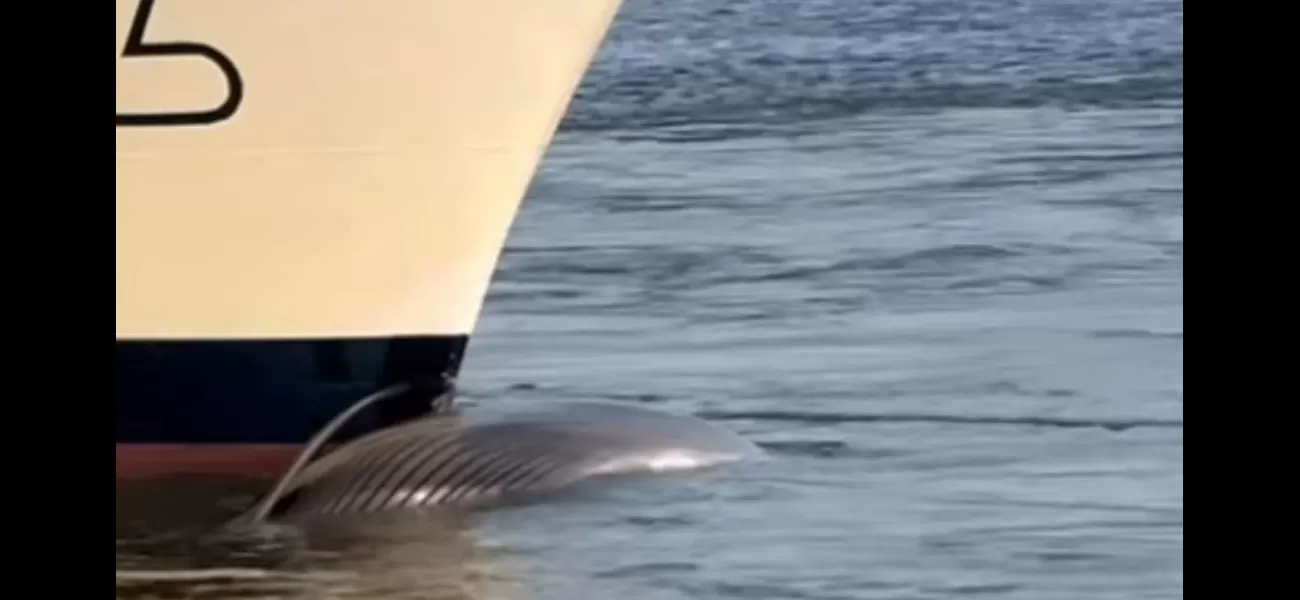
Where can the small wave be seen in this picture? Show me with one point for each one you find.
(944, 259)
(642, 570)
(715, 69)
(838, 418)
(978, 589)
(1010, 283)
(948, 255)
(819, 449)
(661, 522)
(1136, 334)
(825, 449)
(744, 113)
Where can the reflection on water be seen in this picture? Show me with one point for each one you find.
(171, 543)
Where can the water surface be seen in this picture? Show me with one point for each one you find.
(929, 253)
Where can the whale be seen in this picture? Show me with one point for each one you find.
(474, 458)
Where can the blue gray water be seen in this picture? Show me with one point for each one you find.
(928, 252)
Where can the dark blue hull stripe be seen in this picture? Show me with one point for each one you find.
(268, 392)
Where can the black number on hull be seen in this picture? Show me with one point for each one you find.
(137, 47)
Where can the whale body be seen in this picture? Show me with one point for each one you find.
(472, 459)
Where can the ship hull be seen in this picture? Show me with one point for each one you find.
(311, 199)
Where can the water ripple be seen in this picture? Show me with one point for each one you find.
(841, 418)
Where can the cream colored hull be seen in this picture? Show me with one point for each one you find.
(312, 196)
(353, 170)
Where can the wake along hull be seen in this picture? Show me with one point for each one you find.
(312, 196)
